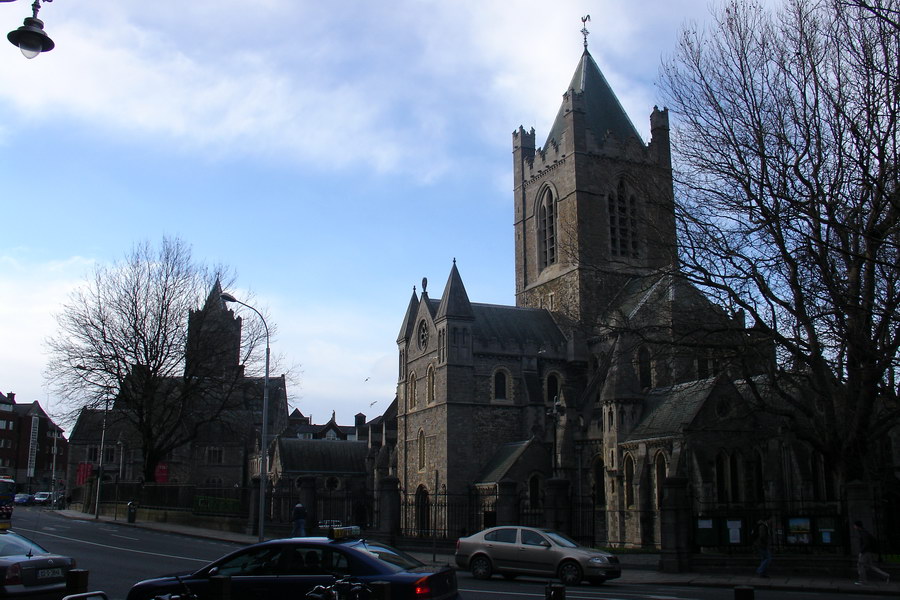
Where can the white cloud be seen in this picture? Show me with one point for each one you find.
(33, 293)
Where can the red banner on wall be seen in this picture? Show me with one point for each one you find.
(162, 473)
(83, 473)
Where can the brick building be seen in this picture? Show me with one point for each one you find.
(29, 441)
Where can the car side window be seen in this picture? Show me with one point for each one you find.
(254, 562)
(317, 561)
(532, 538)
(505, 535)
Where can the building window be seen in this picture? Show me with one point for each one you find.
(423, 334)
(215, 455)
(421, 448)
(500, 386)
(552, 389)
(623, 223)
(411, 392)
(331, 434)
(430, 384)
(629, 481)
(660, 471)
(547, 230)
(93, 453)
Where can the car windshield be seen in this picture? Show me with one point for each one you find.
(12, 544)
(561, 540)
(396, 558)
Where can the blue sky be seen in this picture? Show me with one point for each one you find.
(331, 153)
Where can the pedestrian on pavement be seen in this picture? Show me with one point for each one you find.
(763, 543)
(868, 546)
(299, 519)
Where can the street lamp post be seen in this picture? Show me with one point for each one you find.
(263, 450)
(100, 462)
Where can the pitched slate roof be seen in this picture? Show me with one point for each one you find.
(322, 456)
(603, 112)
(502, 461)
(411, 310)
(668, 409)
(515, 324)
(454, 301)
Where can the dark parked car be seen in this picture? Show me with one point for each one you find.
(23, 498)
(513, 551)
(288, 568)
(27, 570)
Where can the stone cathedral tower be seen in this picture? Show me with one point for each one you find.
(593, 206)
(574, 405)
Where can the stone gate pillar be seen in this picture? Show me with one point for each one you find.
(389, 506)
(507, 502)
(557, 508)
(309, 499)
(675, 523)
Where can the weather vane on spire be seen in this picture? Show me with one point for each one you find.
(584, 30)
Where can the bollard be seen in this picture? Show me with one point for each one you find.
(77, 581)
(381, 590)
(555, 591)
(743, 592)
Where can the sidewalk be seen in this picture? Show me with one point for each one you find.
(636, 568)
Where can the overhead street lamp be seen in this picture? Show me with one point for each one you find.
(263, 447)
(30, 37)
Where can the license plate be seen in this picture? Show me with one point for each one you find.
(46, 573)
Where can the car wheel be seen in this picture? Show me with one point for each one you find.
(481, 567)
(570, 573)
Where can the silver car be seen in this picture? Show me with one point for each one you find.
(512, 551)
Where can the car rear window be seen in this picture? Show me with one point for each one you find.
(14, 545)
(396, 558)
(505, 535)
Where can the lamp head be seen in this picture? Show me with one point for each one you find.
(225, 296)
(30, 38)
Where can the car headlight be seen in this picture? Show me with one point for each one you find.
(598, 560)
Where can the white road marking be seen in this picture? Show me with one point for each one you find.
(200, 560)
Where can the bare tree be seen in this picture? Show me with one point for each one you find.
(124, 343)
(786, 147)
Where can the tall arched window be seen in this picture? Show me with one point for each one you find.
(734, 477)
(623, 239)
(547, 230)
(629, 481)
(411, 392)
(660, 471)
(599, 484)
(421, 448)
(430, 383)
(552, 388)
(500, 385)
(759, 482)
